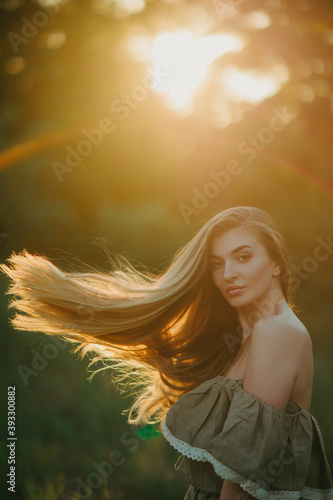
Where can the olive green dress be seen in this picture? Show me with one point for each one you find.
(225, 432)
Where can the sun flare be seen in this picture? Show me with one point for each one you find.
(185, 60)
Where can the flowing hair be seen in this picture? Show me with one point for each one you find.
(166, 333)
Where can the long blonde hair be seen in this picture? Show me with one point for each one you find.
(166, 332)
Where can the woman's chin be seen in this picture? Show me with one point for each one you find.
(238, 301)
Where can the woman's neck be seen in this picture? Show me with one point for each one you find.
(254, 313)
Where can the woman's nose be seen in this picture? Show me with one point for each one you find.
(229, 271)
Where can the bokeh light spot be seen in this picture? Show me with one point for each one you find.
(257, 20)
(252, 86)
(15, 65)
(52, 40)
(306, 93)
(125, 8)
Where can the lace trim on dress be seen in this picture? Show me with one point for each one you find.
(202, 455)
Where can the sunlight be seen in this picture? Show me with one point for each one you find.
(186, 59)
(251, 86)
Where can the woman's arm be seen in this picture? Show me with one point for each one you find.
(232, 491)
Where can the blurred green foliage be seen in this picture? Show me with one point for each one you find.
(127, 194)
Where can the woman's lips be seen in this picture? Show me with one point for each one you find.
(235, 291)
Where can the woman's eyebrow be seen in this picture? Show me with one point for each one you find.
(212, 256)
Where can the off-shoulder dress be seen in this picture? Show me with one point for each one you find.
(225, 432)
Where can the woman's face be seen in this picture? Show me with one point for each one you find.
(238, 259)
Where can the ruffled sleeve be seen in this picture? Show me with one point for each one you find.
(226, 432)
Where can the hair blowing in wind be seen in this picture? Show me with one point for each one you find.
(166, 333)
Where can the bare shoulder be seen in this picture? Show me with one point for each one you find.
(287, 338)
(279, 329)
(279, 362)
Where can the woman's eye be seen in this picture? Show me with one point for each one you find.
(216, 265)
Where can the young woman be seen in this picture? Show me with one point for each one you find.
(224, 364)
